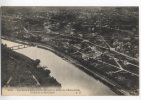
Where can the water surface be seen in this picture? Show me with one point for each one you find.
(64, 72)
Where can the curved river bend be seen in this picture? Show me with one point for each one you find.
(64, 72)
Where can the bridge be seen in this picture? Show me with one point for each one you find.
(21, 46)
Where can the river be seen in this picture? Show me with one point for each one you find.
(64, 72)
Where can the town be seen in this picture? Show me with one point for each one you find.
(104, 39)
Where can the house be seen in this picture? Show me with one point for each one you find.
(69, 29)
(45, 39)
(27, 36)
(47, 29)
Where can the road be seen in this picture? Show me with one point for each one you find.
(11, 77)
(120, 67)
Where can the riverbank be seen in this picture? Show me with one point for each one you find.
(19, 70)
(105, 80)
(114, 86)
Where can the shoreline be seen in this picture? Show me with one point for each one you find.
(117, 89)
(27, 67)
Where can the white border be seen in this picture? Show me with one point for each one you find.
(72, 3)
(69, 2)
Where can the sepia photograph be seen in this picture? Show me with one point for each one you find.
(70, 50)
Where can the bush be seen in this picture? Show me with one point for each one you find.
(37, 62)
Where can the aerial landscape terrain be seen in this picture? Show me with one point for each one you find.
(103, 42)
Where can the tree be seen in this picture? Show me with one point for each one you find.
(37, 62)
